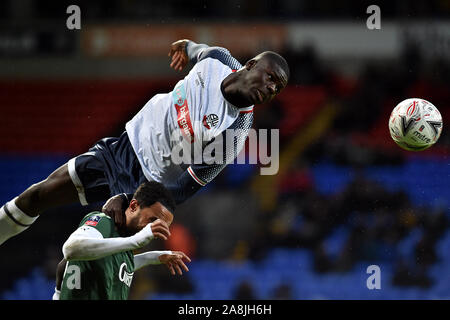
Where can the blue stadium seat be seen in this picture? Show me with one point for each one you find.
(336, 240)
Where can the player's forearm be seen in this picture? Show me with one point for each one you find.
(80, 248)
(147, 258)
(85, 247)
(194, 49)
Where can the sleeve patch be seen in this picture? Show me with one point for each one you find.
(92, 221)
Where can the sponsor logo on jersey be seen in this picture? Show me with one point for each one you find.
(92, 221)
(200, 80)
(124, 275)
(210, 120)
(183, 117)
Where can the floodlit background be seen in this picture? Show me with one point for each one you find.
(345, 197)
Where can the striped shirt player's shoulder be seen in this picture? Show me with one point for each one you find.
(222, 55)
(244, 120)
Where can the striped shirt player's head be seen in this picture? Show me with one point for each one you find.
(151, 201)
(262, 78)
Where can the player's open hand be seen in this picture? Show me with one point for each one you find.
(114, 208)
(178, 54)
(160, 229)
(175, 262)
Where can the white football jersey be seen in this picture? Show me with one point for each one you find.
(193, 114)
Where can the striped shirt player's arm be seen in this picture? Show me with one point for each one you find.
(198, 175)
(197, 52)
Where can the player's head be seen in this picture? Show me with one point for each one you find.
(151, 201)
(264, 77)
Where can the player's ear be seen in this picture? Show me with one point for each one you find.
(134, 205)
(250, 64)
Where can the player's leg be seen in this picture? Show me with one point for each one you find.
(18, 214)
(57, 190)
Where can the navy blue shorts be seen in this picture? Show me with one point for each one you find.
(110, 167)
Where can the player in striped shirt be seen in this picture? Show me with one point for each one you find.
(216, 97)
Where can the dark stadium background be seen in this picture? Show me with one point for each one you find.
(346, 197)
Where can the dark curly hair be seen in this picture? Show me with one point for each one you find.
(150, 192)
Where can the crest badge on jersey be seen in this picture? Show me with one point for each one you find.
(210, 120)
(92, 221)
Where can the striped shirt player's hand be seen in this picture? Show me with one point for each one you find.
(178, 54)
(115, 208)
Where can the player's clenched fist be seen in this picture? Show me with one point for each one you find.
(175, 261)
(156, 229)
(160, 229)
(178, 54)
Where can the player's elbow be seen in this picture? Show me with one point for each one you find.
(71, 249)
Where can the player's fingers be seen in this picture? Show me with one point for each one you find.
(175, 58)
(184, 256)
(181, 255)
(177, 267)
(173, 49)
(181, 263)
(160, 225)
(162, 229)
(184, 60)
(179, 64)
(172, 271)
(159, 235)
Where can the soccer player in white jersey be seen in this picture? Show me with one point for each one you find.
(217, 95)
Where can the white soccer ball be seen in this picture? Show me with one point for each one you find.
(415, 124)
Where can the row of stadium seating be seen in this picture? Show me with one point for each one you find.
(288, 267)
(423, 180)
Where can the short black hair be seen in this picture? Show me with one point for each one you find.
(276, 58)
(150, 192)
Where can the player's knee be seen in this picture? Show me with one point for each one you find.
(32, 200)
(40, 196)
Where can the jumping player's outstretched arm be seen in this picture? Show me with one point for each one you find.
(183, 51)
